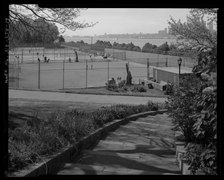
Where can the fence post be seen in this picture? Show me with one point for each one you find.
(166, 62)
(108, 73)
(63, 73)
(113, 53)
(54, 52)
(38, 74)
(22, 56)
(18, 72)
(148, 68)
(86, 72)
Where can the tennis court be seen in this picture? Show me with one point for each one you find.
(59, 73)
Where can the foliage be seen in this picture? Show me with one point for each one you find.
(153, 106)
(111, 85)
(24, 18)
(193, 108)
(169, 89)
(139, 88)
(148, 47)
(61, 39)
(129, 46)
(121, 84)
(40, 32)
(180, 106)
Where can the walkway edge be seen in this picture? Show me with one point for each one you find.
(52, 164)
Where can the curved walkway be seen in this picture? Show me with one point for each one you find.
(86, 98)
(143, 146)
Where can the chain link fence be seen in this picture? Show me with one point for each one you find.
(62, 71)
(65, 75)
(158, 60)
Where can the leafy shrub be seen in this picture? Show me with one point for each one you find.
(139, 88)
(201, 158)
(112, 87)
(169, 89)
(125, 88)
(193, 109)
(121, 83)
(152, 106)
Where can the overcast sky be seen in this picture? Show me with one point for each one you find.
(127, 20)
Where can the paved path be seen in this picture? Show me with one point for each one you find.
(86, 98)
(144, 146)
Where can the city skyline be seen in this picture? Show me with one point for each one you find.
(126, 20)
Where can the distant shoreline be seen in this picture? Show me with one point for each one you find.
(136, 41)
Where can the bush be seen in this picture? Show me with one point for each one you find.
(121, 84)
(169, 89)
(193, 109)
(139, 88)
(152, 106)
(180, 106)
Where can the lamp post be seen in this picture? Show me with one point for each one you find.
(179, 63)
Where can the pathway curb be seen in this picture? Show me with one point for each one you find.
(51, 164)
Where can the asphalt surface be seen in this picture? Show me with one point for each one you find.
(84, 98)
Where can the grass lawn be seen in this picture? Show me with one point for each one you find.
(21, 110)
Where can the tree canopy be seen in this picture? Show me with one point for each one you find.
(193, 104)
(31, 17)
(194, 34)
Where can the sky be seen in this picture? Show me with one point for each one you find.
(126, 20)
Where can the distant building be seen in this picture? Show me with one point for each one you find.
(165, 31)
(162, 32)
